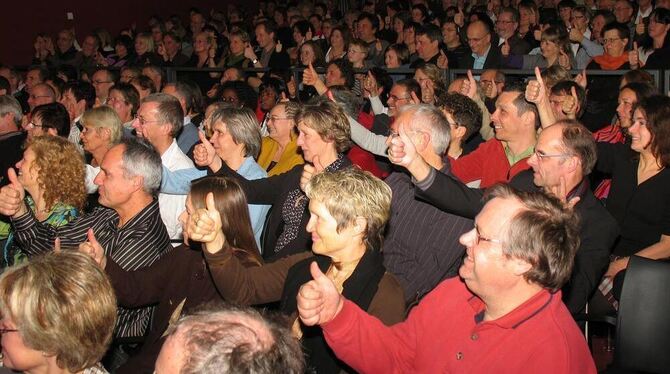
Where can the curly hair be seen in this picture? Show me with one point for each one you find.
(328, 120)
(61, 171)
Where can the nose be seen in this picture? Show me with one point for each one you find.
(468, 239)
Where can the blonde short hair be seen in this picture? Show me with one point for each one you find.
(104, 117)
(62, 304)
(328, 120)
(352, 193)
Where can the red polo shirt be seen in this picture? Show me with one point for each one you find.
(444, 333)
(487, 163)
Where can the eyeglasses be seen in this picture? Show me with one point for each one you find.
(4, 331)
(32, 125)
(612, 40)
(111, 100)
(95, 83)
(396, 98)
(543, 156)
(37, 96)
(503, 21)
(479, 238)
(142, 121)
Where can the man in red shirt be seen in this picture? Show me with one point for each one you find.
(503, 315)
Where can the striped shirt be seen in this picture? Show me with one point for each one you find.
(136, 245)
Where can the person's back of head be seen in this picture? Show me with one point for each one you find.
(230, 340)
(53, 116)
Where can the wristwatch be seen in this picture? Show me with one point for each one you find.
(254, 61)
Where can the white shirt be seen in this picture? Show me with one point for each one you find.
(171, 206)
(91, 173)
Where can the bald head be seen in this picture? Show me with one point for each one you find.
(479, 37)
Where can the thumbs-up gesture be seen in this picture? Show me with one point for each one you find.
(204, 226)
(279, 46)
(459, 17)
(318, 300)
(309, 171)
(442, 61)
(427, 91)
(536, 91)
(469, 87)
(92, 248)
(11, 196)
(570, 106)
(505, 49)
(370, 85)
(634, 57)
(309, 76)
(580, 79)
(204, 153)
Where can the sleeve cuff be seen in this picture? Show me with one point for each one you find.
(24, 222)
(425, 184)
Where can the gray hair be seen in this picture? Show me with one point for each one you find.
(217, 339)
(243, 127)
(8, 104)
(140, 158)
(169, 111)
(349, 101)
(431, 119)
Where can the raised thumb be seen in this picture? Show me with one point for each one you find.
(209, 202)
(13, 178)
(316, 272)
(91, 236)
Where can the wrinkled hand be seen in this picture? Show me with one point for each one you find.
(536, 91)
(469, 87)
(318, 300)
(309, 76)
(561, 192)
(401, 150)
(204, 153)
(92, 248)
(12, 195)
(309, 171)
(204, 226)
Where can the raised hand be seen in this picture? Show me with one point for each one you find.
(309, 76)
(318, 300)
(570, 106)
(580, 79)
(459, 17)
(490, 90)
(469, 87)
(204, 226)
(370, 85)
(249, 52)
(92, 248)
(576, 35)
(278, 46)
(309, 171)
(11, 196)
(640, 28)
(442, 61)
(505, 49)
(427, 91)
(634, 57)
(536, 91)
(204, 153)
(561, 192)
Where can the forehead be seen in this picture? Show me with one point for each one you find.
(495, 215)
(476, 30)
(551, 137)
(488, 75)
(148, 107)
(627, 93)
(113, 158)
(506, 99)
(398, 89)
(611, 34)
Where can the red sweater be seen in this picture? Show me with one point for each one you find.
(442, 336)
(489, 163)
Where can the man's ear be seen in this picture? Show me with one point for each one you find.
(529, 118)
(460, 131)
(52, 131)
(520, 267)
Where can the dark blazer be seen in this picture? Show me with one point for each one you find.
(598, 229)
(493, 59)
(518, 46)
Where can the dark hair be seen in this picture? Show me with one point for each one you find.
(566, 4)
(53, 116)
(130, 95)
(303, 27)
(275, 84)
(384, 80)
(512, 11)
(465, 111)
(43, 72)
(146, 83)
(424, 11)
(641, 90)
(565, 88)
(410, 85)
(246, 95)
(4, 85)
(269, 26)
(69, 71)
(431, 31)
(81, 91)
(606, 14)
(622, 30)
(522, 106)
(656, 110)
(346, 69)
(370, 17)
(346, 35)
(126, 41)
(231, 202)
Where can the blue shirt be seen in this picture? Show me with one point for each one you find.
(179, 183)
(480, 60)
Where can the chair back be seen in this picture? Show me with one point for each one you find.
(643, 322)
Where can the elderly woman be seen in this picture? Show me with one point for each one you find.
(102, 129)
(52, 174)
(125, 100)
(144, 51)
(279, 151)
(58, 315)
(323, 137)
(180, 281)
(348, 210)
(639, 198)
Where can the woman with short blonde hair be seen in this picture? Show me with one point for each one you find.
(58, 314)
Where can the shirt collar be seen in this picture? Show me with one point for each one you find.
(524, 312)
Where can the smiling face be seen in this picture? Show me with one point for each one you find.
(326, 240)
(114, 187)
(506, 119)
(624, 109)
(551, 159)
(16, 355)
(94, 137)
(28, 171)
(279, 126)
(641, 137)
(185, 216)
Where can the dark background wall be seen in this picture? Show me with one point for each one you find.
(21, 20)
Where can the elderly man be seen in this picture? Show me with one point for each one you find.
(504, 314)
(41, 94)
(159, 120)
(102, 80)
(564, 157)
(127, 226)
(229, 340)
(66, 53)
(484, 54)
(188, 136)
(507, 26)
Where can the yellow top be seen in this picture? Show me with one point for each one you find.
(288, 159)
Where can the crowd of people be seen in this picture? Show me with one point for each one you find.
(144, 223)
